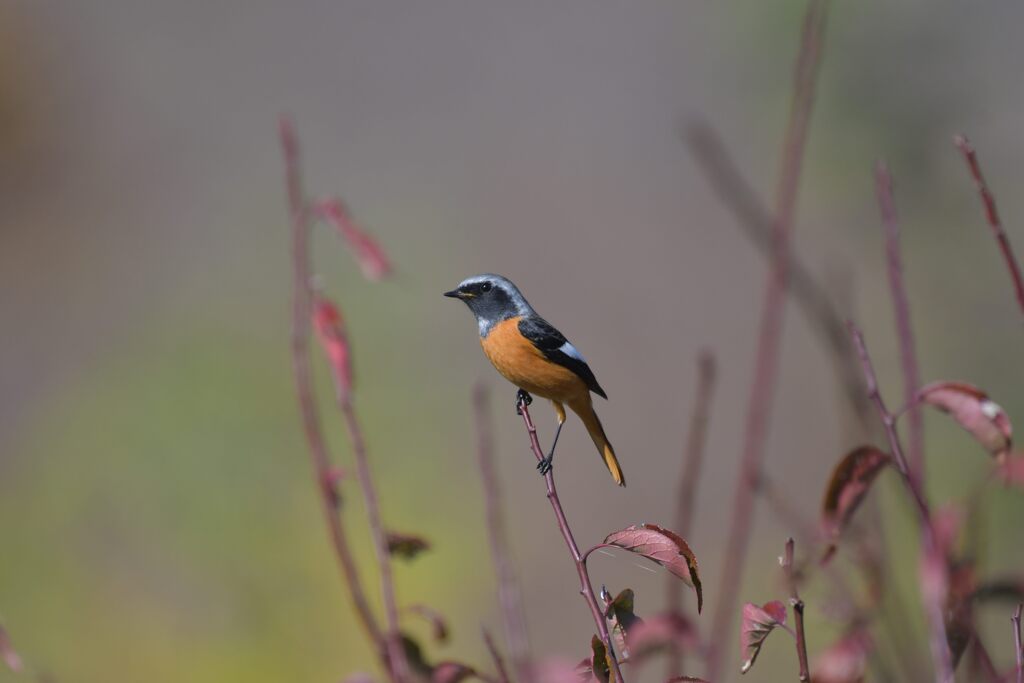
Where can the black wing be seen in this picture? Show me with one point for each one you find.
(550, 342)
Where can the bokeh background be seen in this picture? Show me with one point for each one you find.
(157, 514)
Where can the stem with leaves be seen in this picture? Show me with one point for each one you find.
(301, 307)
(798, 610)
(992, 216)
(904, 331)
(694, 460)
(933, 603)
(770, 332)
(509, 595)
(586, 589)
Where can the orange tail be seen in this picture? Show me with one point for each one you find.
(596, 431)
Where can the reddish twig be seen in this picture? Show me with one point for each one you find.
(901, 307)
(509, 594)
(586, 589)
(694, 459)
(933, 603)
(301, 306)
(1018, 653)
(499, 663)
(770, 332)
(798, 611)
(992, 216)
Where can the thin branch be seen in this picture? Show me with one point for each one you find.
(492, 650)
(1017, 651)
(694, 459)
(798, 611)
(586, 589)
(509, 596)
(770, 333)
(933, 603)
(901, 307)
(301, 305)
(817, 308)
(992, 216)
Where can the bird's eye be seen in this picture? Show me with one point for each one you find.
(485, 287)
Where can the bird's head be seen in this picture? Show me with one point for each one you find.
(492, 298)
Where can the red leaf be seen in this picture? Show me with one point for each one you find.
(437, 621)
(758, 622)
(664, 547)
(8, 653)
(406, 546)
(330, 329)
(974, 411)
(843, 662)
(371, 257)
(849, 483)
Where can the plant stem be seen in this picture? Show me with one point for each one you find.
(933, 603)
(798, 611)
(905, 333)
(301, 299)
(770, 333)
(586, 589)
(492, 650)
(694, 459)
(509, 596)
(992, 216)
(1017, 651)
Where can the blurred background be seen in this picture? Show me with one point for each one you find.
(158, 518)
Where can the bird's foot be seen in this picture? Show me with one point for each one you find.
(545, 464)
(523, 398)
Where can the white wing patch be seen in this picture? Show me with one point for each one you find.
(571, 351)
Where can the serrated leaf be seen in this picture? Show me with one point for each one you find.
(758, 623)
(664, 547)
(974, 411)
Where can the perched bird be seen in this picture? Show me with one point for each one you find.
(529, 352)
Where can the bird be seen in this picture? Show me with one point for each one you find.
(533, 355)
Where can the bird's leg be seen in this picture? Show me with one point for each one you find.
(545, 465)
(523, 398)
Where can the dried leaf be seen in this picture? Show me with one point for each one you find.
(660, 631)
(664, 547)
(600, 665)
(758, 623)
(619, 611)
(974, 411)
(371, 257)
(330, 330)
(844, 661)
(436, 619)
(8, 654)
(406, 546)
(849, 483)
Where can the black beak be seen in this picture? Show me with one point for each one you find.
(455, 294)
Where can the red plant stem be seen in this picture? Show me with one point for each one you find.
(396, 649)
(933, 605)
(992, 216)
(492, 650)
(301, 304)
(694, 460)
(509, 595)
(770, 333)
(1018, 652)
(901, 307)
(586, 589)
(798, 611)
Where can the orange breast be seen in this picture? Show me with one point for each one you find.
(523, 364)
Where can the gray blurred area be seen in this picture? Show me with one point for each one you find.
(157, 515)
